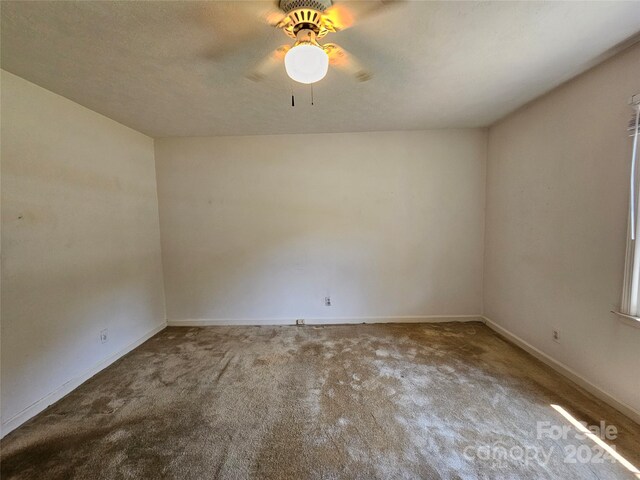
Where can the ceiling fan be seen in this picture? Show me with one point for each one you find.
(307, 21)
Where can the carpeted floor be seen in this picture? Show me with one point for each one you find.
(337, 402)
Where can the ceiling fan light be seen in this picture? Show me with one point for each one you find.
(306, 63)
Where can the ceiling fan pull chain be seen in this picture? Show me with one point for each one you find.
(293, 100)
(312, 94)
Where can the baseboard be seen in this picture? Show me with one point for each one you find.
(38, 406)
(321, 320)
(566, 371)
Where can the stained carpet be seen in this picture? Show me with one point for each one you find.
(378, 401)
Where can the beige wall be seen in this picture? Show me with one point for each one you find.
(387, 224)
(556, 224)
(80, 244)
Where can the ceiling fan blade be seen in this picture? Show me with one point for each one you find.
(275, 18)
(342, 60)
(268, 64)
(226, 36)
(343, 15)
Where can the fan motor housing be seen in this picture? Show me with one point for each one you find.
(305, 15)
(289, 5)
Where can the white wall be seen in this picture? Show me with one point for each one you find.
(262, 228)
(80, 240)
(557, 193)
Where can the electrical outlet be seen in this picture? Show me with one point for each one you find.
(327, 301)
(555, 335)
(300, 321)
(104, 336)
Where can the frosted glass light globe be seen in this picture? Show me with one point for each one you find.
(306, 63)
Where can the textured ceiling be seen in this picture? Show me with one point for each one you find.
(177, 68)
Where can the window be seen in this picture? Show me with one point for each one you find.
(630, 304)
